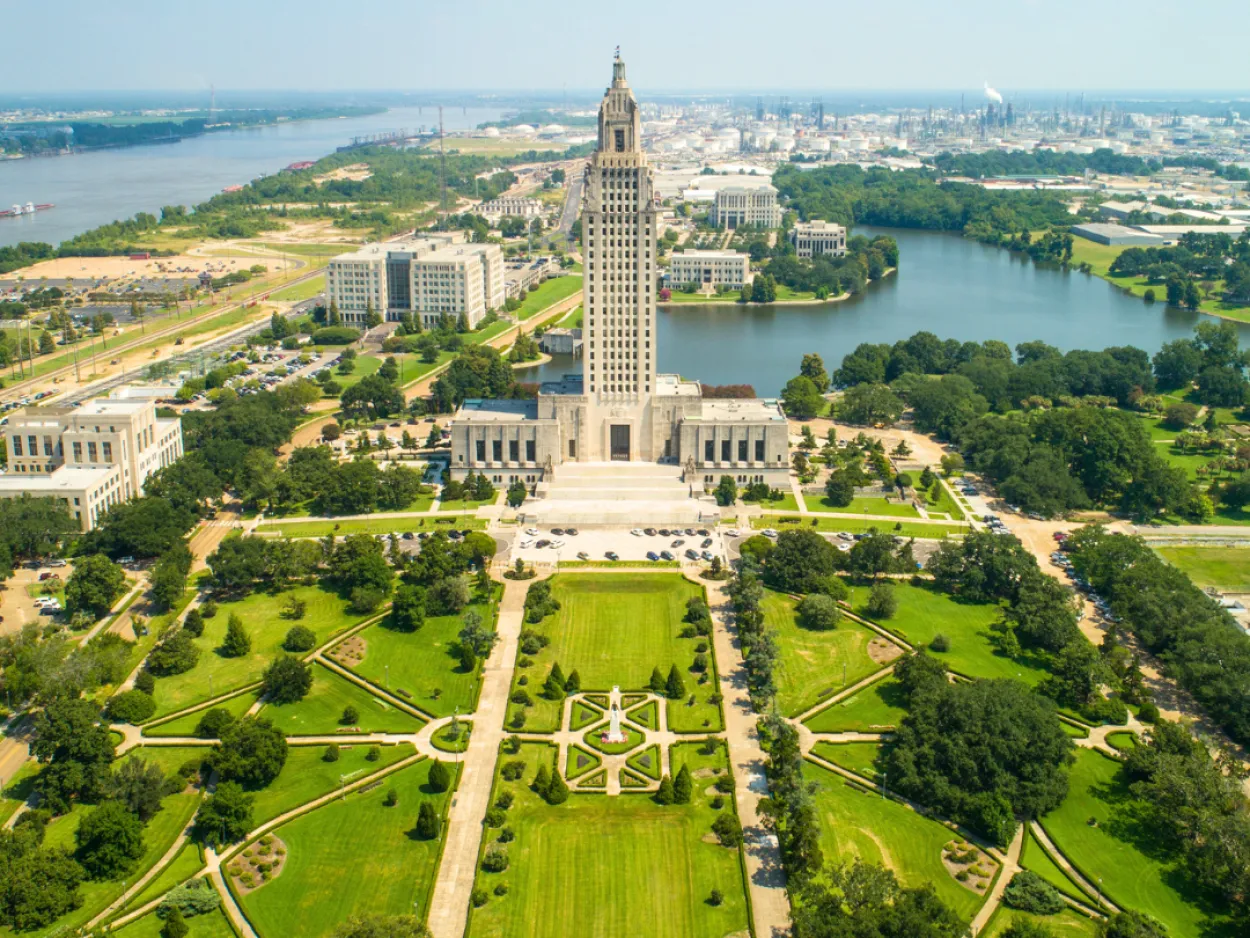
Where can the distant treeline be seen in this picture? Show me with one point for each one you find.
(540, 117)
(1050, 163)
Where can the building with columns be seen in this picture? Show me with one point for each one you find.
(619, 410)
(817, 237)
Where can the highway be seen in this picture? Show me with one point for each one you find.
(572, 203)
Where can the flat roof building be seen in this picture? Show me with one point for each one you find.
(510, 206)
(710, 269)
(817, 237)
(1101, 233)
(92, 456)
(746, 207)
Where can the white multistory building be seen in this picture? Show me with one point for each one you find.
(817, 237)
(430, 277)
(710, 269)
(91, 456)
(746, 207)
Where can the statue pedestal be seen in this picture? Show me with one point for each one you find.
(614, 733)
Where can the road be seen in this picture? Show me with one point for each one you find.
(576, 180)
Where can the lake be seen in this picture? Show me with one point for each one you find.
(951, 286)
(92, 189)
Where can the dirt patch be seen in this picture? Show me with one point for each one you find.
(969, 866)
(710, 839)
(705, 772)
(887, 859)
(258, 863)
(350, 652)
(883, 652)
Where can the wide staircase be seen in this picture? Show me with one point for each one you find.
(636, 494)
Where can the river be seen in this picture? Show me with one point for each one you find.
(947, 284)
(91, 189)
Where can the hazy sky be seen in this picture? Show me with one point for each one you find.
(62, 45)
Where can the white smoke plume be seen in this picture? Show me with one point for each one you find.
(992, 94)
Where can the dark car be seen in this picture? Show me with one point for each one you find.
(664, 532)
(677, 543)
(665, 555)
(542, 543)
(650, 532)
(652, 555)
(707, 542)
(571, 532)
(408, 535)
(612, 555)
(708, 556)
(558, 532)
(692, 553)
(423, 535)
(704, 532)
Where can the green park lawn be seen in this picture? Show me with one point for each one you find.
(326, 614)
(864, 506)
(613, 629)
(300, 291)
(17, 789)
(945, 503)
(379, 525)
(1226, 568)
(548, 293)
(213, 925)
(1191, 460)
(829, 521)
(602, 866)
(573, 320)
(185, 865)
(365, 365)
(1123, 851)
(877, 707)
(858, 824)
(787, 502)
(811, 664)
(924, 612)
(860, 758)
(305, 509)
(185, 725)
(1034, 858)
(320, 713)
(352, 857)
(306, 776)
(424, 666)
(1065, 924)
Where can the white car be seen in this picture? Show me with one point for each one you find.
(46, 601)
(733, 532)
(557, 544)
(846, 536)
(532, 532)
(636, 532)
(526, 542)
(769, 532)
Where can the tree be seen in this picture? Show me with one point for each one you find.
(131, 706)
(429, 824)
(408, 608)
(683, 786)
(813, 369)
(674, 687)
(1221, 387)
(138, 785)
(516, 494)
(175, 926)
(727, 830)
(286, 680)
(557, 789)
(225, 817)
(656, 683)
(1131, 924)
(373, 396)
(237, 642)
(252, 752)
(382, 926)
(1028, 892)
(726, 491)
(94, 586)
(801, 398)
(75, 749)
(882, 601)
(300, 638)
(664, 794)
(869, 405)
(1180, 416)
(801, 562)
(109, 840)
(176, 653)
(840, 489)
(169, 576)
(867, 901)
(440, 777)
(818, 612)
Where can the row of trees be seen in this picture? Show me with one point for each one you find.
(314, 476)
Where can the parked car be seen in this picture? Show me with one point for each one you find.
(582, 555)
(692, 553)
(612, 555)
(708, 556)
(769, 532)
(651, 555)
(532, 532)
(707, 542)
(636, 532)
(650, 532)
(677, 543)
(665, 555)
(543, 543)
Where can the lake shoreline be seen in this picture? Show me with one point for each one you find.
(840, 298)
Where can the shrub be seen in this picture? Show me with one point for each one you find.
(727, 829)
(132, 706)
(299, 638)
(507, 835)
(391, 799)
(237, 642)
(1149, 712)
(429, 824)
(512, 771)
(940, 643)
(194, 623)
(194, 897)
(478, 897)
(350, 716)
(558, 790)
(818, 612)
(715, 897)
(1106, 710)
(501, 889)
(174, 654)
(208, 609)
(214, 723)
(331, 754)
(882, 603)
(145, 682)
(335, 335)
(1028, 892)
(440, 777)
(495, 860)
(505, 799)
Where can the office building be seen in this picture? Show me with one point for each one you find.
(746, 207)
(91, 456)
(709, 269)
(509, 206)
(817, 237)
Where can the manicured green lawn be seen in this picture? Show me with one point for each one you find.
(306, 775)
(1065, 924)
(326, 614)
(320, 712)
(924, 612)
(185, 865)
(854, 824)
(425, 663)
(1226, 568)
(811, 663)
(17, 789)
(365, 365)
(602, 867)
(832, 522)
(1190, 460)
(379, 525)
(864, 506)
(573, 320)
(1121, 849)
(860, 758)
(352, 857)
(787, 502)
(613, 629)
(305, 509)
(877, 707)
(1033, 857)
(466, 504)
(548, 293)
(300, 291)
(185, 725)
(945, 502)
(213, 925)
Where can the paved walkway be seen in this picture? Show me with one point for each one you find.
(766, 879)
(449, 905)
(1010, 867)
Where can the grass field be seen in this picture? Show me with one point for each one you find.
(1066, 924)
(300, 291)
(378, 525)
(787, 502)
(352, 857)
(213, 925)
(1033, 857)
(185, 865)
(185, 725)
(1121, 850)
(573, 320)
(860, 758)
(614, 628)
(365, 365)
(320, 712)
(602, 867)
(832, 522)
(548, 293)
(924, 612)
(326, 614)
(877, 707)
(1226, 568)
(425, 662)
(17, 789)
(864, 506)
(854, 824)
(306, 775)
(810, 665)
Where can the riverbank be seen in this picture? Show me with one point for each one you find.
(781, 300)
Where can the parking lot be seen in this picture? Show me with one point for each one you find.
(596, 542)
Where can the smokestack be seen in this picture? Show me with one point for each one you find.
(993, 95)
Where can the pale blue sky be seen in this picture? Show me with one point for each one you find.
(60, 45)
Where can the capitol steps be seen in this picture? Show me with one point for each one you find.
(620, 493)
